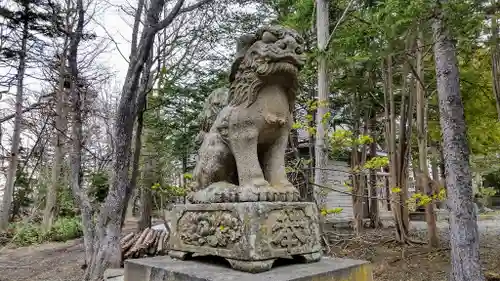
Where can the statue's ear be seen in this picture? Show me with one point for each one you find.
(242, 45)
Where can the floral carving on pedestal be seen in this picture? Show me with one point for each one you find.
(218, 229)
(292, 229)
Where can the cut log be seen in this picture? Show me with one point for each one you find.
(126, 238)
(149, 242)
(130, 242)
(152, 247)
(149, 239)
(137, 245)
(165, 244)
(159, 247)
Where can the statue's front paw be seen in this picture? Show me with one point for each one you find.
(288, 192)
(257, 189)
(260, 183)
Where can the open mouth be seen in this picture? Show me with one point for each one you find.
(293, 60)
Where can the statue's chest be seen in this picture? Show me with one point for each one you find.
(274, 106)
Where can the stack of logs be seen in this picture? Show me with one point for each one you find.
(149, 242)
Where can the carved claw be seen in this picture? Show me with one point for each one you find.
(286, 192)
(256, 190)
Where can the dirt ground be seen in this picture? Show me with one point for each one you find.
(62, 261)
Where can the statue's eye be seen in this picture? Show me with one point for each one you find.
(268, 37)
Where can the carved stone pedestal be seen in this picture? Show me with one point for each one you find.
(249, 235)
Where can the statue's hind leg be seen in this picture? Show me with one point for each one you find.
(214, 172)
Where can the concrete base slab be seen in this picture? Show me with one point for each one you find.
(207, 269)
(114, 274)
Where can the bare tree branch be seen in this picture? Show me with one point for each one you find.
(170, 18)
(34, 106)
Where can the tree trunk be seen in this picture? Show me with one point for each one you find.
(359, 179)
(141, 103)
(146, 80)
(435, 170)
(135, 162)
(495, 57)
(16, 134)
(310, 148)
(61, 116)
(130, 213)
(430, 218)
(407, 105)
(109, 224)
(390, 114)
(79, 192)
(464, 236)
(321, 150)
(374, 209)
(146, 208)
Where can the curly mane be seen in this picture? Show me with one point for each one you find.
(245, 82)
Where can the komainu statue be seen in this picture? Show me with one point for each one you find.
(242, 207)
(244, 131)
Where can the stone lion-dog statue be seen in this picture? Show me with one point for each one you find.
(245, 130)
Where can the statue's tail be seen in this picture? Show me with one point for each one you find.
(214, 103)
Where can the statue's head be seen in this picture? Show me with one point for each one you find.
(272, 51)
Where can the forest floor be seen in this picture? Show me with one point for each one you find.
(393, 262)
(62, 261)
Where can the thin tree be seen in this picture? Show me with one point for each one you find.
(16, 134)
(320, 149)
(422, 143)
(495, 54)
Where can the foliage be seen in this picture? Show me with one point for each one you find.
(66, 206)
(419, 199)
(334, 211)
(99, 185)
(341, 139)
(376, 162)
(63, 229)
(169, 191)
(171, 117)
(487, 191)
(23, 191)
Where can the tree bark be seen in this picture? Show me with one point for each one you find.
(407, 105)
(495, 57)
(16, 134)
(321, 150)
(61, 126)
(79, 192)
(401, 231)
(146, 208)
(464, 236)
(129, 208)
(135, 163)
(390, 114)
(146, 82)
(108, 251)
(435, 170)
(359, 179)
(374, 209)
(430, 218)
